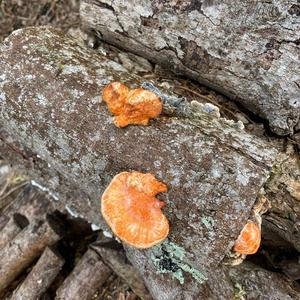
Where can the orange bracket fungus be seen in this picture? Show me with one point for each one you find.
(131, 210)
(135, 106)
(248, 241)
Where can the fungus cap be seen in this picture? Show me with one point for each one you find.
(135, 106)
(130, 208)
(249, 239)
(114, 95)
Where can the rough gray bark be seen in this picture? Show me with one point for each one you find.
(40, 277)
(248, 50)
(252, 282)
(51, 101)
(88, 276)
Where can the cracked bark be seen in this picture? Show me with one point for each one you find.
(249, 51)
(51, 103)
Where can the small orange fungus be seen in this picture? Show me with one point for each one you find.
(135, 106)
(248, 241)
(131, 210)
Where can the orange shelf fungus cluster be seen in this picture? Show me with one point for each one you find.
(248, 241)
(135, 106)
(130, 208)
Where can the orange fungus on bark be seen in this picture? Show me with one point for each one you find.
(248, 241)
(135, 106)
(130, 208)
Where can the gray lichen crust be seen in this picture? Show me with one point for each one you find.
(51, 101)
(248, 50)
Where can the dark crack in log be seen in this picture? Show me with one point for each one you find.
(26, 246)
(40, 277)
(248, 51)
(89, 274)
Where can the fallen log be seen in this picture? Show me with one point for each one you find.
(26, 246)
(40, 277)
(248, 51)
(214, 170)
(88, 275)
(12, 228)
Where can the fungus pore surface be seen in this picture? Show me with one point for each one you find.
(131, 210)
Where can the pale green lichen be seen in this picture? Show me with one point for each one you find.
(239, 292)
(168, 258)
(208, 222)
(174, 250)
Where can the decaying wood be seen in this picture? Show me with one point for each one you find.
(11, 182)
(12, 228)
(214, 170)
(26, 246)
(31, 202)
(40, 277)
(282, 189)
(247, 50)
(88, 275)
(116, 260)
(3, 221)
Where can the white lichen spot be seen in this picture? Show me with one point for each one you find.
(42, 100)
(76, 93)
(208, 108)
(96, 100)
(2, 97)
(157, 164)
(73, 69)
(95, 227)
(95, 137)
(215, 172)
(29, 77)
(107, 234)
(243, 175)
(73, 212)
(44, 189)
(2, 77)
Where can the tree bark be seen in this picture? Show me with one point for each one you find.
(12, 228)
(26, 246)
(247, 50)
(88, 275)
(214, 169)
(40, 277)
